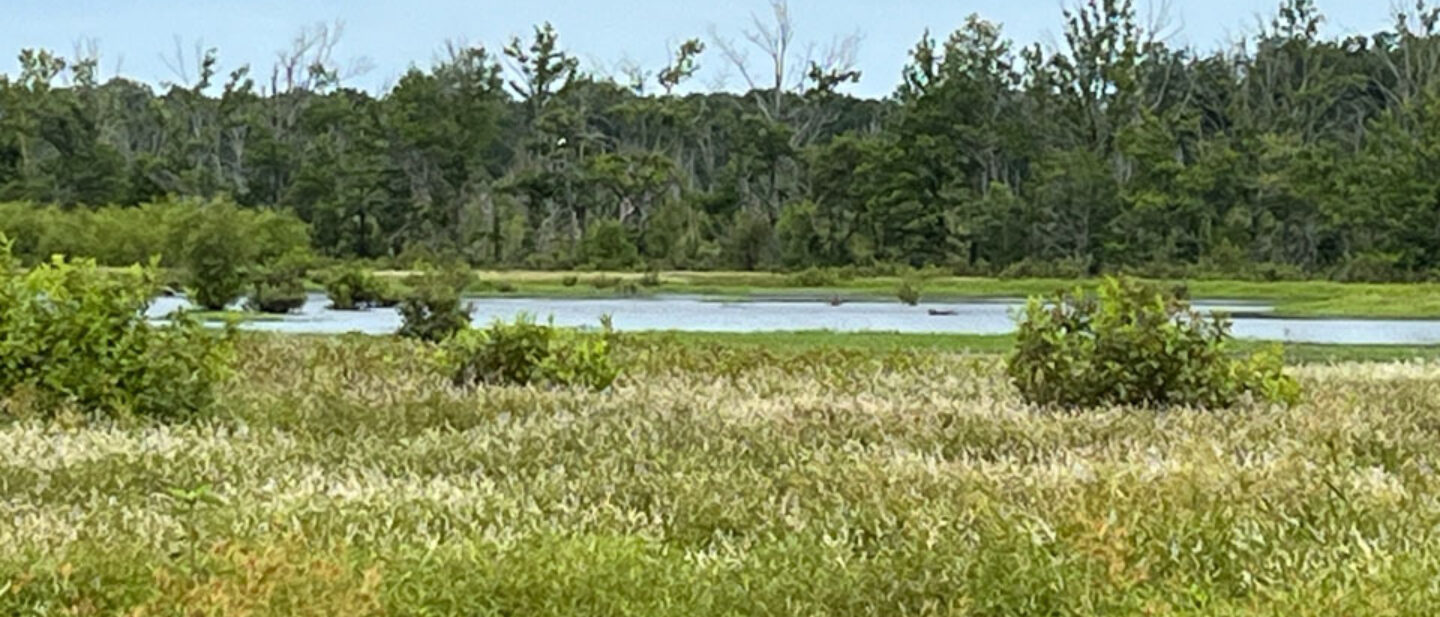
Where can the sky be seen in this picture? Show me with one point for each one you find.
(133, 35)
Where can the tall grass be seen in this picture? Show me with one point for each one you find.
(343, 476)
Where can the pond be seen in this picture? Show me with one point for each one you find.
(690, 313)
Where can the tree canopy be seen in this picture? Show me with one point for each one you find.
(1286, 152)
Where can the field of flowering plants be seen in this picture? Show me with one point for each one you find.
(340, 476)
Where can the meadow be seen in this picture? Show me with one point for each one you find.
(341, 475)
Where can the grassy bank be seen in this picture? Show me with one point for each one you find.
(817, 340)
(1290, 298)
(340, 476)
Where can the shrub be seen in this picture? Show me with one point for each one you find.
(1370, 268)
(216, 253)
(279, 287)
(526, 352)
(220, 242)
(909, 293)
(814, 277)
(431, 310)
(569, 280)
(276, 296)
(1133, 344)
(607, 246)
(1068, 268)
(73, 335)
(351, 289)
(600, 281)
(650, 279)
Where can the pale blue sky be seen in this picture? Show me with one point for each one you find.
(395, 35)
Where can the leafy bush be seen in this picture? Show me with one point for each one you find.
(216, 253)
(351, 289)
(650, 279)
(814, 277)
(279, 287)
(1134, 345)
(73, 335)
(607, 246)
(600, 281)
(526, 352)
(1370, 268)
(270, 295)
(1069, 268)
(431, 310)
(908, 292)
(569, 280)
(220, 241)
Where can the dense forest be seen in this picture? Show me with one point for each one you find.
(1288, 153)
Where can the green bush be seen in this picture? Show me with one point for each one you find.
(352, 289)
(1133, 344)
(1370, 268)
(216, 253)
(908, 292)
(607, 246)
(71, 334)
(650, 279)
(526, 352)
(569, 280)
(1069, 268)
(432, 310)
(814, 277)
(600, 281)
(276, 296)
(220, 241)
(279, 287)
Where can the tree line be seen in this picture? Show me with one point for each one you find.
(1286, 153)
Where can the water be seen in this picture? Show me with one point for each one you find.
(688, 313)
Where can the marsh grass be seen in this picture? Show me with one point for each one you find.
(350, 478)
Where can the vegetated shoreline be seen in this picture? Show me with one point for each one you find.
(1295, 299)
(1315, 299)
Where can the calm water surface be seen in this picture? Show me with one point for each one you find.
(688, 313)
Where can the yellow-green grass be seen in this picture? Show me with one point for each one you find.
(235, 315)
(810, 340)
(342, 476)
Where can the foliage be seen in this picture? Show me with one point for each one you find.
(908, 292)
(750, 243)
(71, 335)
(1131, 344)
(814, 277)
(526, 352)
(278, 296)
(606, 247)
(349, 477)
(1292, 154)
(279, 287)
(431, 309)
(351, 288)
(220, 242)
